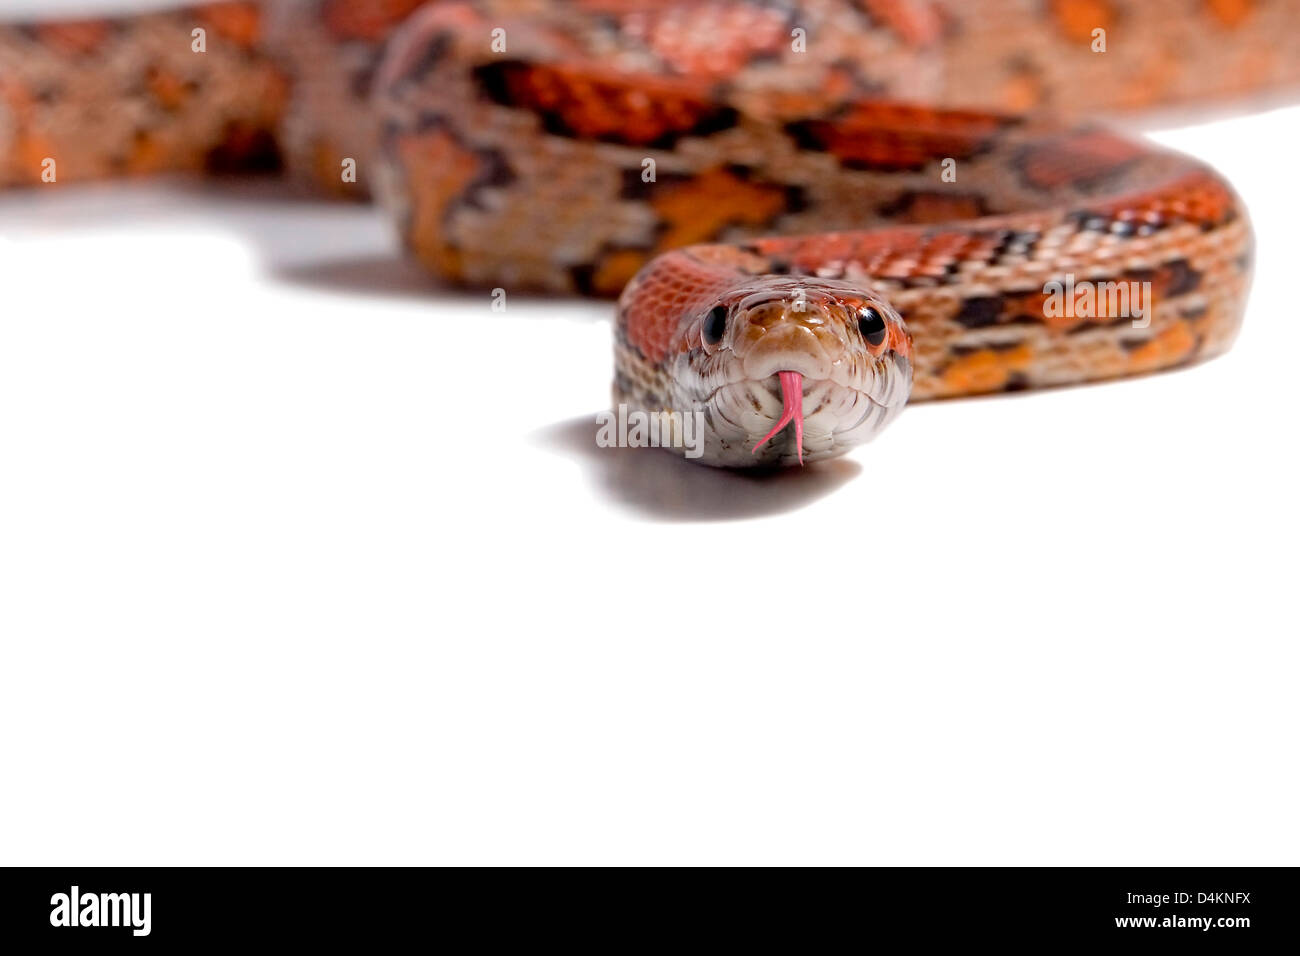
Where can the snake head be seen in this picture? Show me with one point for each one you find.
(788, 369)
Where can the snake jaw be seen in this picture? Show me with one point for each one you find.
(791, 410)
(744, 418)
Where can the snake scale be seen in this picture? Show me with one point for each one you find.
(810, 210)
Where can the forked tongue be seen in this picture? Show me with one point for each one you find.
(791, 410)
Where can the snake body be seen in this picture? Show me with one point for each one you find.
(798, 244)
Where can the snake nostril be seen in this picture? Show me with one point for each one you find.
(779, 315)
(761, 318)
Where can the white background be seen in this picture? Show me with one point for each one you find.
(306, 560)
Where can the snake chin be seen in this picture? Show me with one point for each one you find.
(741, 420)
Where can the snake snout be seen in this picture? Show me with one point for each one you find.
(790, 346)
(787, 348)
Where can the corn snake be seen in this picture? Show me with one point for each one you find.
(810, 247)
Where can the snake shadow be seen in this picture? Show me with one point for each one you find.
(389, 275)
(662, 486)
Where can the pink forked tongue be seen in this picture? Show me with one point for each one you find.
(791, 411)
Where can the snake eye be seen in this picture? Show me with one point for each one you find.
(871, 325)
(715, 323)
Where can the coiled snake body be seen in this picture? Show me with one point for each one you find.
(797, 244)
